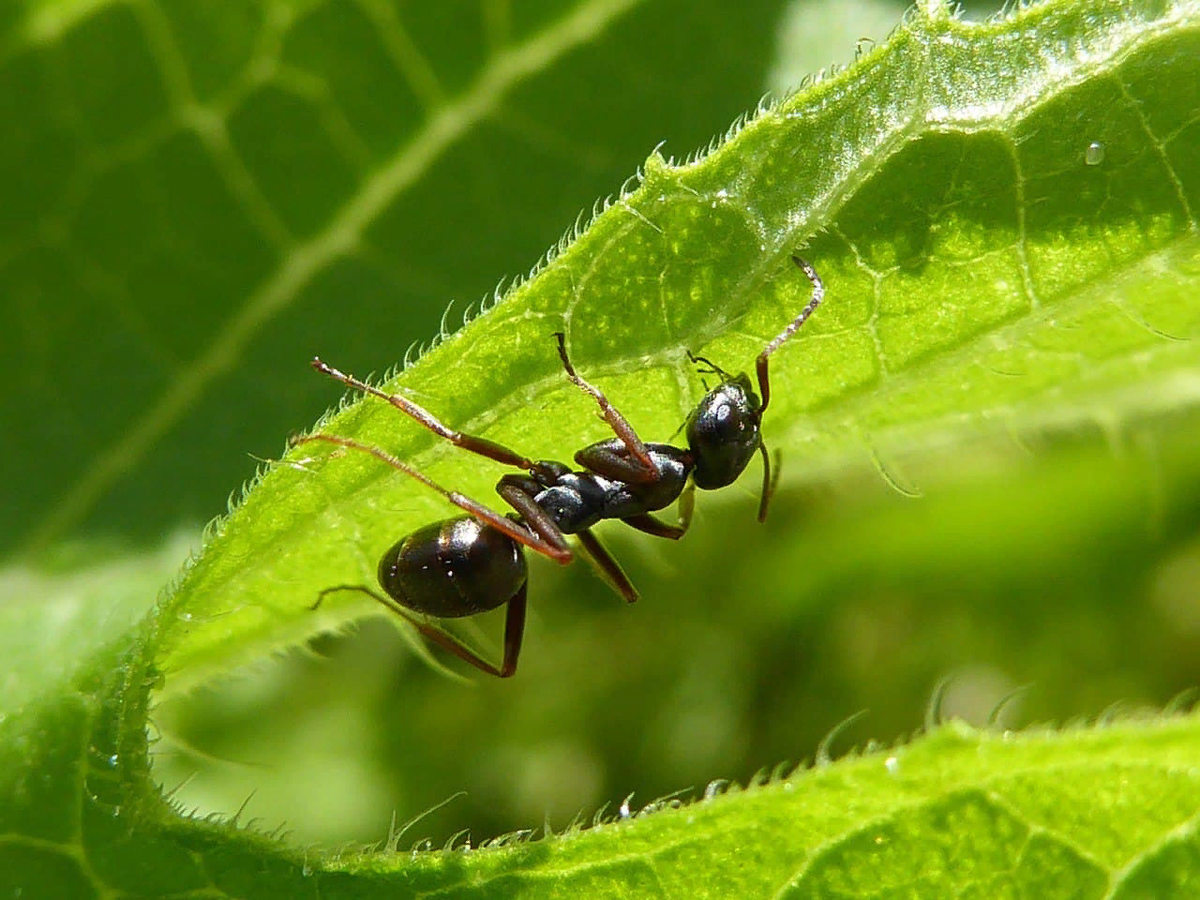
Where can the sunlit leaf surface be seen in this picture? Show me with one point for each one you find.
(988, 436)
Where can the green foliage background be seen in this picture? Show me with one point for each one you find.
(988, 432)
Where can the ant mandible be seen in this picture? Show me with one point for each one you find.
(474, 563)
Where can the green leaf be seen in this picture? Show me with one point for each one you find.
(995, 287)
(979, 277)
(1053, 814)
(73, 744)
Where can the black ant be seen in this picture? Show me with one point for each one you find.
(474, 563)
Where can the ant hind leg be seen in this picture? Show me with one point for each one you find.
(608, 566)
(514, 629)
(514, 632)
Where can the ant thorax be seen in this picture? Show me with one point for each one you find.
(576, 501)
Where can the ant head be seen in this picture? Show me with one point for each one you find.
(723, 433)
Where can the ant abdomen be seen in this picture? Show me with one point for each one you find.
(453, 568)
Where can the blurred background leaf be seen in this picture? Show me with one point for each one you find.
(166, 270)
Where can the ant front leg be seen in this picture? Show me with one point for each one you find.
(608, 566)
(652, 525)
(648, 524)
(647, 471)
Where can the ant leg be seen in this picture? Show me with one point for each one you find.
(656, 527)
(514, 629)
(818, 294)
(606, 458)
(361, 588)
(537, 520)
(713, 368)
(651, 525)
(617, 422)
(608, 566)
(517, 495)
(481, 446)
(558, 551)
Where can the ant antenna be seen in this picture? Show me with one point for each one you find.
(713, 368)
(770, 480)
(818, 294)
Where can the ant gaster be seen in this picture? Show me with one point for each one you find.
(470, 564)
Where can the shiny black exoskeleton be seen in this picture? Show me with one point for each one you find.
(723, 433)
(474, 563)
